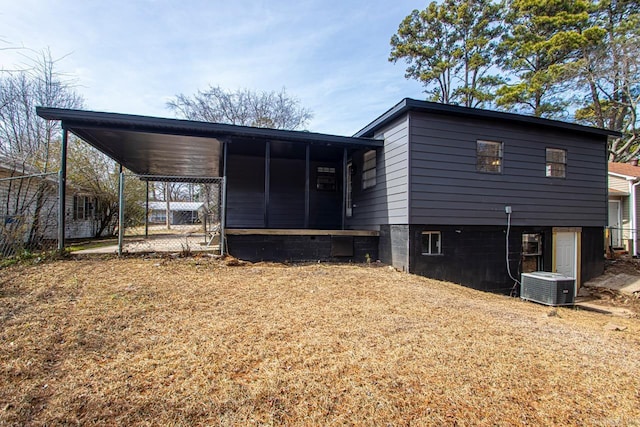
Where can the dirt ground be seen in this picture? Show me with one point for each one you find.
(622, 267)
(201, 341)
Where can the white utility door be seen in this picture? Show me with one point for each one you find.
(615, 223)
(566, 254)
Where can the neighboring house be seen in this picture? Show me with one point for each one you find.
(81, 209)
(624, 180)
(29, 207)
(453, 193)
(180, 213)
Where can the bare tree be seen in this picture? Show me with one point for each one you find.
(243, 107)
(29, 144)
(609, 75)
(92, 171)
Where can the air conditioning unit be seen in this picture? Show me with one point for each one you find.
(547, 288)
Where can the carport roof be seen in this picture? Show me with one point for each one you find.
(172, 147)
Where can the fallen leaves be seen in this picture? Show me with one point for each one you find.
(198, 342)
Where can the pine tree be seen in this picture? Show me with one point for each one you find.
(449, 48)
(539, 50)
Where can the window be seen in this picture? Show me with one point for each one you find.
(158, 216)
(431, 243)
(532, 259)
(489, 156)
(349, 198)
(82, 207)
(556, 163)
(369, 169)
(326, 178)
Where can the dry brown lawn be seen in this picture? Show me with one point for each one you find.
(197, 342)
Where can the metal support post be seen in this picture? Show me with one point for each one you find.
(344, 187)
(223, 218)
(307, 161)
(267, 179)
(223, 208)
(62, 193)
(120, 212)
(146, 213)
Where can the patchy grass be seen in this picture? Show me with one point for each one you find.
(28, 257)
(91, 244)
(198, 342)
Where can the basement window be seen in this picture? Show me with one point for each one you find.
(556, 163)
(489, 156)
(369, 169)
(431, 243)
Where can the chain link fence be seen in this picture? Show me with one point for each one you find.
(172, 214)
(28, 213)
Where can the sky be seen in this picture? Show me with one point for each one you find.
(133, 56)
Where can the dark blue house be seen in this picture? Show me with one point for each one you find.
(466, 195)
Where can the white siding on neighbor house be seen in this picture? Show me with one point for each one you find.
(631, 232)
(387, 201)
(622, 184)
(446, 188)
(617, 183)
(625, 207)
(74, 228)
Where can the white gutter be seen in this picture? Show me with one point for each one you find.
(619, 175)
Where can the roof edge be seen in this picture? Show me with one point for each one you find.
(621, 175)
(76, 118)
(384, 118)
(409, 104)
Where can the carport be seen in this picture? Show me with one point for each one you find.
(275, 175)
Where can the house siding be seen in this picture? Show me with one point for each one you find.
(19, 196)
(245, 191)
(286, 198)
(387, 201)
(246, 188)
(618, 183)
(447, 189)
(625, 207)
(621, 184)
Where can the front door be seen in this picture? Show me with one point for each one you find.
(614, 223)
(566, 254)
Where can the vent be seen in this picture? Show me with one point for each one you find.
(547, 288)
(342, 246)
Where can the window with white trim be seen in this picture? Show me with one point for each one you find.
(369, 169)
(556, 163)
(431, 243)
(82, 207)
(489, 156)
